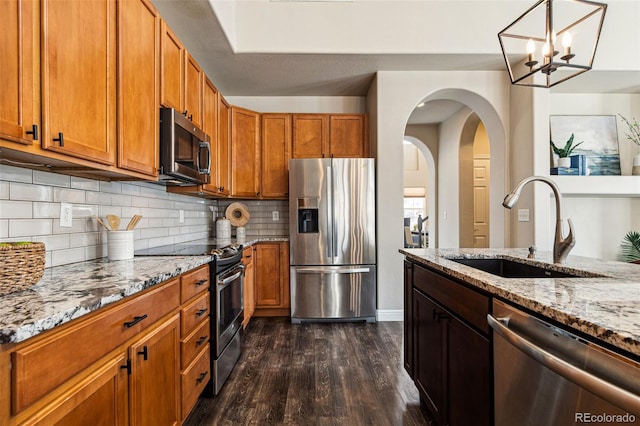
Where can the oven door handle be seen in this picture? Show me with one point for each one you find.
(231, 276)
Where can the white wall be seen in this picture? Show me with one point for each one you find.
(397, 94)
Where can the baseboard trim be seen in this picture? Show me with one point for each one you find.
(390, 315)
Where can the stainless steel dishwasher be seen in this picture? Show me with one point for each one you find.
(544, 375)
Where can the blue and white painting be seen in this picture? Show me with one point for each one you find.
(599, 135)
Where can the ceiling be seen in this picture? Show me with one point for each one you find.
(282, 74)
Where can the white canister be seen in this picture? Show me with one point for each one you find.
(241, 234)
(120, 245)
(223, 229)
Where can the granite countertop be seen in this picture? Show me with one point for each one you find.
(68, 292)
(605, 305)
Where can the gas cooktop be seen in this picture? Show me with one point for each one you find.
(219, 251)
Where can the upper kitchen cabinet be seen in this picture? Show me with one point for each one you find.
(138, 86)
(245, 153)
(276, 152)
(310, 135)
(193, 90)
(220, 178)
(79, 79)
(348, 136)
(330, 135)
(19, 105)
(172, 69)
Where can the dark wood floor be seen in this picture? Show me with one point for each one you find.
(316, 374)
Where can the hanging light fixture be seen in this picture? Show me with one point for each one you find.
(553, 41)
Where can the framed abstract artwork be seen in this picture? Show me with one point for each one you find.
(599, 137)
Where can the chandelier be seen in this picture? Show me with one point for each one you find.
(551, 42)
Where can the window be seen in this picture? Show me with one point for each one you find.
(414, 205)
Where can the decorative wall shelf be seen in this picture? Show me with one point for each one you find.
(607, 186)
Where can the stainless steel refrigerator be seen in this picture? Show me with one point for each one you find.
(333, 239)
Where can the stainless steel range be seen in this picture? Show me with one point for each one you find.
(227, 310)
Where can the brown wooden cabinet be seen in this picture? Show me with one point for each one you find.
(172, 69)
(79, 96)
(223, 159)
(249, 284)
(330, 135)
(245, 153)
(19, 67)
(138, 86)
(193, 90)
(154, 383)
(275, 152)
(272, 279)
(451, 347)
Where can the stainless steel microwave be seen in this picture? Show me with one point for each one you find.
(185, 152)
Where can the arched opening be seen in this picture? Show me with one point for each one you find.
(420, 174)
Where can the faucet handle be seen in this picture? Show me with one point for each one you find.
(570, 241)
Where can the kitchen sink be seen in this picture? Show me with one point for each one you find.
(510, 269)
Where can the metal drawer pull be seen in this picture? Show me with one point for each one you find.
(59, 139)
(201, 340)
(33, 132)
(200, 312)
(202, 376)
(199, 283)
(134, 321)
(144, 352)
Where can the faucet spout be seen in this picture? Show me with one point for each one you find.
(561, 246)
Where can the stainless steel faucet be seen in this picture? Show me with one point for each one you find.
(561, 246)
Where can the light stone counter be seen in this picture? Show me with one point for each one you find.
(71, 291)
(605, 306)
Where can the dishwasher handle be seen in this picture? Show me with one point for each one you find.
(594, 384)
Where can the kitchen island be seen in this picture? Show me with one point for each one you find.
(449, 346)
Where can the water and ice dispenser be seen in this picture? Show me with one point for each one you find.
(307, 215)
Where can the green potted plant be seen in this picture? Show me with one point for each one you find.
(565, 152)
(630, 247)
(633, 136)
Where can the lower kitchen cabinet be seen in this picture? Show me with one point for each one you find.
(448, 353)
(249, 284)
(272, 279)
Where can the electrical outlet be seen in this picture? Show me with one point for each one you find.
(66, 215)
(275, 215)
(523, 215)
(181, 216)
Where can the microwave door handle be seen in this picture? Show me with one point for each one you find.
(208, 169)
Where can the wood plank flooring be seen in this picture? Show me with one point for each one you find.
(316, 374)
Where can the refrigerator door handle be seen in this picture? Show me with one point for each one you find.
(330, 230)
(332, 271)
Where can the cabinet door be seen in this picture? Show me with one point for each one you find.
(138, 84)
(223, 177)
(155, 376)
(310, 136)
(276, 152)
(348, 136)
(210, 127)
(429, 353)
(18, 38)
(193, 90)
(171, 69)
(245, 153)
(285, 296)
(249, 284)
(470, 378)
(79, 78)
(408, 318)
(268, 292)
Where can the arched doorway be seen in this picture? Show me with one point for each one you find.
(430, 186)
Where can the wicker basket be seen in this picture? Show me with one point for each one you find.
(21, 266)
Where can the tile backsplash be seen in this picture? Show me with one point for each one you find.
(30, 211)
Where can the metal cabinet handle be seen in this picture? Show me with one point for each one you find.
(201, 340)
(200, 312)
(202, 376)
(199, 283)
(134, 321)
(144, 352)
(34, 132)
(59, 139)
(221, 188)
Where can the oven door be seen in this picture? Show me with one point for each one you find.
(229, 305)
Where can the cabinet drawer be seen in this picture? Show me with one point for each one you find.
(194, 379)
(193, 314)
(193, 343)
(194, 282)
(465, 302)
(41, 366)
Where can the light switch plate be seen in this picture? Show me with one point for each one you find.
(66, 215)
(275, 215)
(523, 215)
